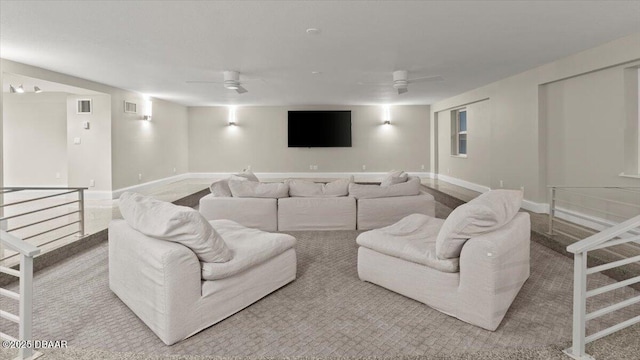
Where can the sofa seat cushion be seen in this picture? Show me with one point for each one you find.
(250, 247)
(413, 239)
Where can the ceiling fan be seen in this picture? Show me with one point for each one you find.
(231, 82)
(401, 81)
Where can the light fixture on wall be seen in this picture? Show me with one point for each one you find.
(148, 110)
(20, 89)
(232, 116)
(386, 115)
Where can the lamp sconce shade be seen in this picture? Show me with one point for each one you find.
(148, 110)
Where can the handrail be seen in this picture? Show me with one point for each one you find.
(18, 245)
(24, 297)
(603, 236)
(604, 239)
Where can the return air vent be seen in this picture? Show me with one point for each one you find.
(84, 106)
(130, 107)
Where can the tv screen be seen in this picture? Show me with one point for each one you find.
(319, 129)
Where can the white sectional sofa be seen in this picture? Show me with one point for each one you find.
(338, 205)
(181, 274)
(470, 266)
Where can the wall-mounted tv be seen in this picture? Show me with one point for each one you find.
(319, 129)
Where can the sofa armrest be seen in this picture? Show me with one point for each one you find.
(160, 281)
(493, 268)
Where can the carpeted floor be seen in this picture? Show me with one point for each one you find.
(326, 312)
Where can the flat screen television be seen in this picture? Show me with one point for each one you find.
(319, 128)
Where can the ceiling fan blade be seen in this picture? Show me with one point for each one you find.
(402, 90)
(427, 79)
(202, 82)
(241, 90)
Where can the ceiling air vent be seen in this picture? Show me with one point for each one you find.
(84, 106)
(130, 107)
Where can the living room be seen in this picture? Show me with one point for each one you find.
(548, 94)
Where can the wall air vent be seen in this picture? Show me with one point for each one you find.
(130, 107)
(84, 106)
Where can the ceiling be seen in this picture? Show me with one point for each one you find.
(153, 47)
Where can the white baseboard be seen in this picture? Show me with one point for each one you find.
(145, 186)
(463, 183)
(529, 205)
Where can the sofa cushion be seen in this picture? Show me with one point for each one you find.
(409, 188)
(305, 188)
(413, 239)
(220, 188)
(166, 221)
(258, 190)
(486, 213)
(245, 175)
(394, 177)
(250, 247)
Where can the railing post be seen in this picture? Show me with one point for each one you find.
(26, 305)
(577, 350)
(552, 208)
(81, 213)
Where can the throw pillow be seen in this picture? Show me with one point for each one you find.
(394, 177)
(220, 188)
(486, 213)
(166, 221)
(245, 175)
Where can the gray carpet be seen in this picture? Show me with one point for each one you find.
(326, 312)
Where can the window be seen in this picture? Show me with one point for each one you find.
(459, 132)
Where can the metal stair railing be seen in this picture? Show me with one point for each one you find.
(39, 215)
(616, 235)
(25, 297)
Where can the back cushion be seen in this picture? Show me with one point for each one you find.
(220, 188)
(409, 188)
(166, 221)
(258, 190)
(304, 188)
(394, 177)
(486, 213)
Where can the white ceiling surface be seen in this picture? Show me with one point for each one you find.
(46, 86)
(153, 47)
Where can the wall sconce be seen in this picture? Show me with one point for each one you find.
(37, 90)
(19, 89)
(386, 115)
(148, 110)
(232, 116)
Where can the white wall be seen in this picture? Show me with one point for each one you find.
(474, 167)
(518, 148)
(35, 141)
(91, 159)
(151, 149)
(260, 140)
